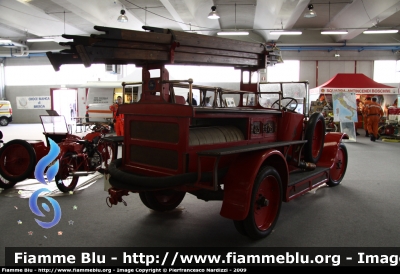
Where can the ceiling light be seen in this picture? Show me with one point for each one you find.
(40, 40)
(282, 32)
(122, 17)
(334, 32)
(310, 13)
(8, 42)
(213, 14)
(337, 55)
(381, 31)
(233, 33)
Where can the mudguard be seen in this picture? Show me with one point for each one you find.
(331, 146)
(238, 183)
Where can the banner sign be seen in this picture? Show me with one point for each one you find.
(33, 102)
(362, 90)
(190, 259)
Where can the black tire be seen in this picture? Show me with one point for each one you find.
(338, 169)
(3, 121)
(266, 201)
(6, 184)
(315, 136)
(64, 181)
(381, 130)
(143, 198)
(162, 200)
(17, 160)
(240, 227)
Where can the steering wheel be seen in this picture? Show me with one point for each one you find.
(291, 99)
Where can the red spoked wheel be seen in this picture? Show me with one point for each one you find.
(68, 163)
(17, 160)
(315, 136)
(339, 167)
(266, 201)
(107, 155)
(162, 200)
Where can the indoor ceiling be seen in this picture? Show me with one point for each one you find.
(25, 19)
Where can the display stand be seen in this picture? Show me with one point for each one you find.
(349, 129)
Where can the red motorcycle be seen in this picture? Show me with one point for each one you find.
(18, 158)
(83, 157)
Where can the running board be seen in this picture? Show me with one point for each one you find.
(301, 182)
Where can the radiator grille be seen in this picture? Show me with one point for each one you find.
(155, 131)
(154, 156)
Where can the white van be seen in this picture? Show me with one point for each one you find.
(5, 112)
(99, 101)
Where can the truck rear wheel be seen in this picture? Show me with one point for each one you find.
(339, 167)
(17, 160)
(266, 201)
(6, 183)
(68, 163)
(162, 200)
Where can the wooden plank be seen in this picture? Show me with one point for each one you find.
(196, 40)
(127, 55)
(86, 60)
(199, 50)
(57, 59)
(121, 46)
(184, 58)
(183, 38)
(132, 35)
(130, 45)
(132, 56)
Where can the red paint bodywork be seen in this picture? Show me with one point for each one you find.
(161, 140)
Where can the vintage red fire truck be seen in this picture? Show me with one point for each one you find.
(250, 156)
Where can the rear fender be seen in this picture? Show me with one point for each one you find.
(238, 183)
(331, 146)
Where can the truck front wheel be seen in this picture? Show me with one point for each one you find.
(266, 201)
(162, 200)
(338, 169)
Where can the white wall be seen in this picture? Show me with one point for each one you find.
(318, 72)
(317, 67)
(26, 115)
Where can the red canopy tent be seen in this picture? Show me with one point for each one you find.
(353, 82)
